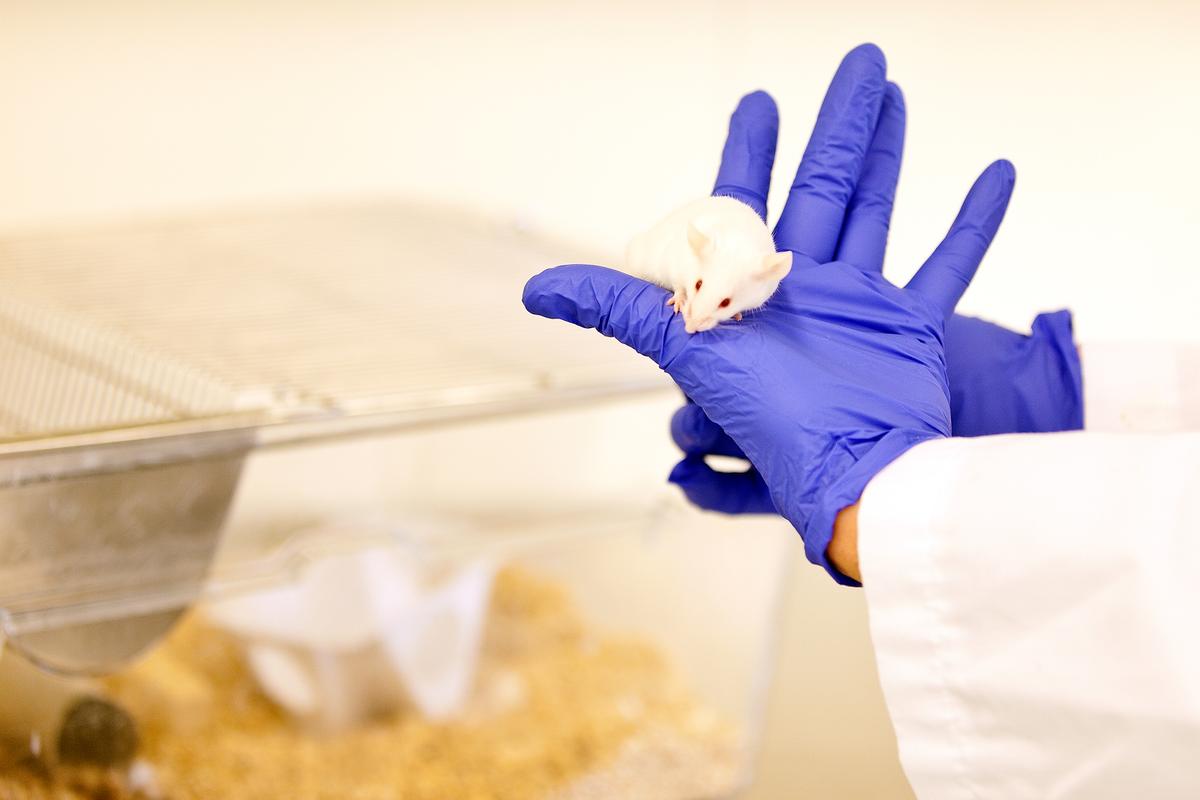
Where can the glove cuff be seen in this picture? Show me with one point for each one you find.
(1055, 332)
(1005, 382)
(847, 489)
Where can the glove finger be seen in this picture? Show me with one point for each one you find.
(944, 277)
(628, 309)
(726, 492)
(695, 434)
(812, 217)
(749, 154)
(865, 232)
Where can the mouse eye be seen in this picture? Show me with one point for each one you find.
(725, 303)
(698, 284)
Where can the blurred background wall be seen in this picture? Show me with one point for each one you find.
(592, 119)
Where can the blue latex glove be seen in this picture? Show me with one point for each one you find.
(1006, 382)
(1000, 381)
(841, 372)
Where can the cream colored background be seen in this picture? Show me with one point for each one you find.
(592, 119)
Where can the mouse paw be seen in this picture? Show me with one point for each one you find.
(676, 302)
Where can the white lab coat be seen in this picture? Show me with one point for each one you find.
(1035, 599)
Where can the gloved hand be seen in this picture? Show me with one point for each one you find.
(841, 372)
(1000, 381)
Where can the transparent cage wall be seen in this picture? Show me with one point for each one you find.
(271, 517)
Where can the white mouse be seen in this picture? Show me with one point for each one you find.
(716, 255)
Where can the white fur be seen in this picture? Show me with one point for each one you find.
(717, 240)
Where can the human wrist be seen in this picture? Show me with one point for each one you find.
(818, 525)
(843, 547)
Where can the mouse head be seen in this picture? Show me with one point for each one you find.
(729, 280)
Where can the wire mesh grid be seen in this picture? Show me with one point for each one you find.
(351, 309)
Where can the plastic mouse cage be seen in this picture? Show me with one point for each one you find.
(303, 504)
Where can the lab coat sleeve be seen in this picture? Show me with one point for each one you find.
(1034, 604)
(1141, 387)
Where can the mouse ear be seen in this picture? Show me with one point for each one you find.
(700, 243)
(775, 266)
